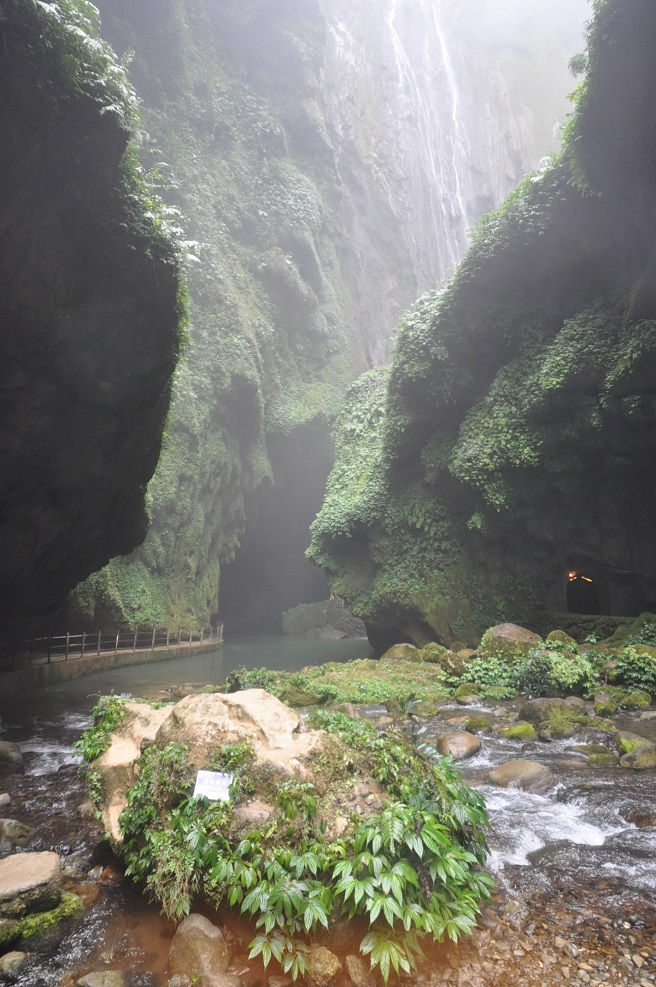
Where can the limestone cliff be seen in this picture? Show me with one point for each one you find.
(509, 454)
(288, 130)
(89, 310)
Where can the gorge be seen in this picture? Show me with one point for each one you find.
(328, 164)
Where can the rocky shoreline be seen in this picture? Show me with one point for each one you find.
(530, 936)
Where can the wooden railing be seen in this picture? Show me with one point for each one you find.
(65, 647)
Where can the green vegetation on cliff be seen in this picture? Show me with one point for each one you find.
(515, 438)
(232, 99)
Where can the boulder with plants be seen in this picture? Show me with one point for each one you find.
(325, 821)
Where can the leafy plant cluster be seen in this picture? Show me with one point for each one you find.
(559, 670)
(408, 872)
(108, 713)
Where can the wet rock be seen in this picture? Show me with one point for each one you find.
(29, 882)
(108, 978)
(640, 760)
(9, 931)
(515, 914)
(510, 640)
(11, 759)
(530, 776)
(479, 724)
(467, 693)
(628, 742)
(15, 832)
(11, 965)
(358, 972)
(461, 745)
(5, 800)
(640, 818)
(522, 730)
(403, 652)
(324, 967)
(199, 949)
(537, 711)
(279, 982)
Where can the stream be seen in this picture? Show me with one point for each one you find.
(574, 843)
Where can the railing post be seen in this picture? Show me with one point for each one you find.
(167, 637)
(99, 639)
(134, 645)
(118, 634)
(68, 639)
(84, 637)
(179, 635)
(152, 646)
(201, 634)
(190, 633)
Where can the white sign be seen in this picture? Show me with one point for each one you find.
(213, 785)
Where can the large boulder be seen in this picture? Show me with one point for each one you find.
(199, 950)
(403, 652)
(460, 745)
(29, 882)
(530, 776)
(510, 640)
(204, 723)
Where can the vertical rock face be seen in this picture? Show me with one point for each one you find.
(318, 152)
(506, 464)
(88, 309)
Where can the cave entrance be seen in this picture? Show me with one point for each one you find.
(582, 593)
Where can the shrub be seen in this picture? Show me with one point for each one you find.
(637, 669)
(547, 672)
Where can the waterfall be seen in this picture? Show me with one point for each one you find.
(450, 104)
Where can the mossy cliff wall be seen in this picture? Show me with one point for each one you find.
(89, 310)
(277, 121)
(513, 437)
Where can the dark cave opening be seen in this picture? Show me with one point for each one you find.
(583, 593)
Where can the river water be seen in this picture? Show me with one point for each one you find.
(576, 835)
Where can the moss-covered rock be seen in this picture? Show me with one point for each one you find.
(403, 652)
(509, 640)
(562, 638)
(522, 730)
(604, 704)
(449, 660)
(479, 724)
(605, 760)
(642, 759)
(628, 742)
(43, 925)
(635, 699)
